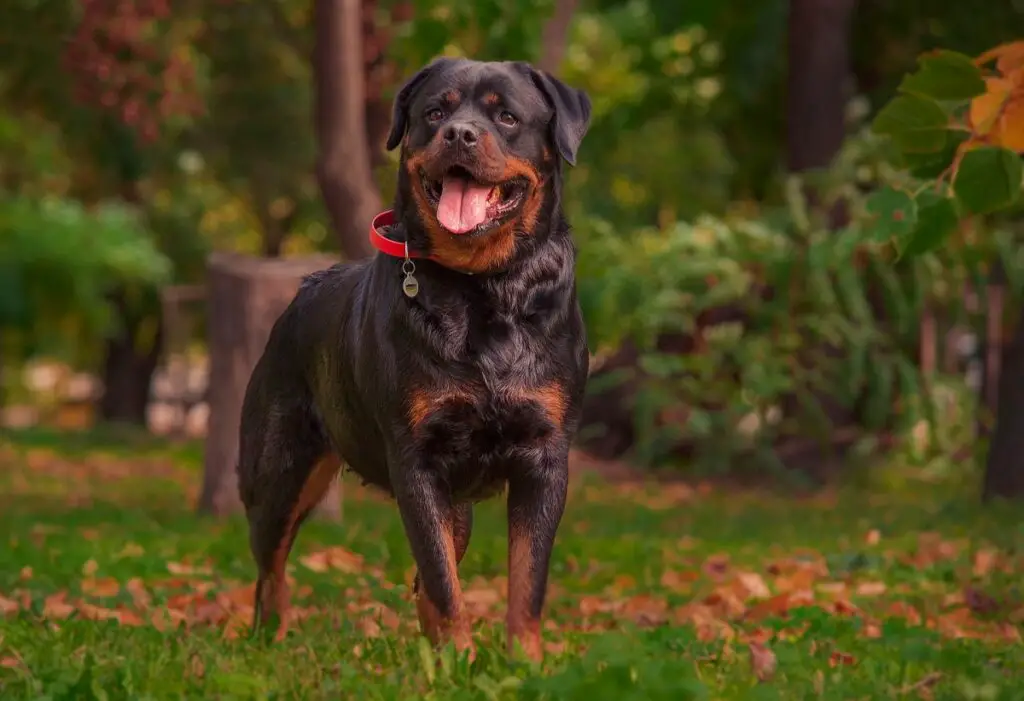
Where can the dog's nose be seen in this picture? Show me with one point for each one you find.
(461, 134)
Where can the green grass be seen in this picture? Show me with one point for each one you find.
(656, 593)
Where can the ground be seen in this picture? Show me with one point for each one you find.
(112, 588)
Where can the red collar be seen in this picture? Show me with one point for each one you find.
(382, 243)
(396, 249)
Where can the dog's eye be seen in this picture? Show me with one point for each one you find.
(508, 119)
(434, 115)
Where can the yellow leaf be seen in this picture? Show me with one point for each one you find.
(1009, 57)
(986, 108)
(1009, 131)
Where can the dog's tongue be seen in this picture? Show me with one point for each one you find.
(463, 205)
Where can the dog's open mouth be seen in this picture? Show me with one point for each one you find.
(464, 205)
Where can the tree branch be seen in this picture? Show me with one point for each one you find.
(343, 166)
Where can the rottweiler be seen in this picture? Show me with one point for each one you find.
(451, 364)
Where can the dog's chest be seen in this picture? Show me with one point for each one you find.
(475, 435)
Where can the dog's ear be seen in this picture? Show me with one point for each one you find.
(400, 110)
(572, 112)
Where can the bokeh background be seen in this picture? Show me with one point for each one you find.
(731, 331)
(169, 170)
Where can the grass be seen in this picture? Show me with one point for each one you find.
(114, 589)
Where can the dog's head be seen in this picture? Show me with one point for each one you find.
(481, 149)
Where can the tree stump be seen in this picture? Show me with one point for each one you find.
(245, 297)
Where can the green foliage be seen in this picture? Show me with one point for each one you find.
(941, 125)
(894, 212)
(59, 261)
(936, 220)
(945, 75)
(988, 180)
(814, 316)
(916, 123)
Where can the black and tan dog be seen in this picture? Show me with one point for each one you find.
(451, 364)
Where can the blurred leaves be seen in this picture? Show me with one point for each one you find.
(60, 261)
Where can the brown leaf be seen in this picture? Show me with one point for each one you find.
(99, 613)
(841, 658)
(754, 585)
(102, 588)
(196, 667)
(678, 581)
(55, 606)
(984, 562)
(337, 558)
(646, 610)
(980, 602)
(481, 599)
(762, 661)
(873, 537)
(90, 568)
(716, 565)
(25, 574)
(870, 588)
(181, 568)
(8, 606)
(140, 596)
(369, 627)
(901, 609)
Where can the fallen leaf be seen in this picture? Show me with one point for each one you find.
(337, 558)
(646, 610)
(90, 568)
(131, 550)
(181, 568)
(369, 627)
(8, 606)
(762, 661)
(480, 599)
(102, 588)
(870, 588)
(873, 537)
(10, 662)
(55, 606)
(984, 562)
(755, 586)
(716, 565)
(980, 602)
(901, 609)
(25, 574)
(841, 658)
(196, 667)
(678, 581)
(140, 595)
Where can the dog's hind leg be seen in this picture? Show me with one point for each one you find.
(282, 483)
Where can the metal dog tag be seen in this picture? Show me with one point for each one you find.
(410, 286)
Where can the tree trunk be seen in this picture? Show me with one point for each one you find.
(1004, 469)
(819, 70)
(555, 36)
(377, 74)
(817, 81)
(343, 166)
(245, 297)
(131, 358)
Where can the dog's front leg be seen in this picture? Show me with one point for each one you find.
(536, 500)
(428, 516)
